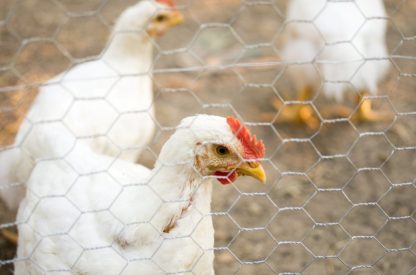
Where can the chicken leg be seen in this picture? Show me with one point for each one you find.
(298, 113)
(365, 112)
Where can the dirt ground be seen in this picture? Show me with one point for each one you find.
(325, 187)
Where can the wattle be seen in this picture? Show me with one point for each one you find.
(226, 178)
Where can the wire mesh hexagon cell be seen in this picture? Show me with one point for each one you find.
(330, 94)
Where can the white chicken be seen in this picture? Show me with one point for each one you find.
(107, 102)
(86, 214)
(346, 41)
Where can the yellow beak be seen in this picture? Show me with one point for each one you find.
(176, 18)
(252, 169)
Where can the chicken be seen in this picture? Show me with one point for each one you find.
(107, 102)
(122, 217)
(345, 40)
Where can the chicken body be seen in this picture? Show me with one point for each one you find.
(333, 47)
(347, 40)
(108, 102)
(86, 214)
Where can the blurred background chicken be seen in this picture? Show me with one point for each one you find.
(107, 102)
(169, 205)
(345, 47)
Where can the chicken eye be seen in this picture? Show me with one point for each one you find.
(222, 150)
(161, 18)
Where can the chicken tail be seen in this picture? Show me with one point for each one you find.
(34, 143)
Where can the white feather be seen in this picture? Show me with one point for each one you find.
(106, 102)
(339, 37)
(112, 222)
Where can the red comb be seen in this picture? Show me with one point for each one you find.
(169, 3)
(253, 148)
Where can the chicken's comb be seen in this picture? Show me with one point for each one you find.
(253, 148)
(169, 3)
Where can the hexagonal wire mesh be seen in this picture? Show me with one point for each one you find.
(339, 197)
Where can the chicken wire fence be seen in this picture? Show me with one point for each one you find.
(339, 198)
